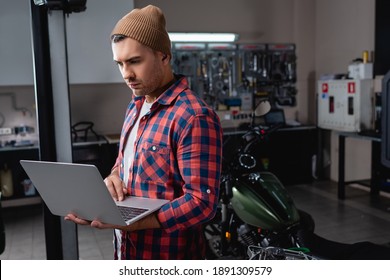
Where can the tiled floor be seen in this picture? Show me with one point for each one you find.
(25, 237)
(358, 218)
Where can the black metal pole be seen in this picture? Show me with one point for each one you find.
(44, 103)
(341, 183)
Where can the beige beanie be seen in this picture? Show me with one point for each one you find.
(147, 26)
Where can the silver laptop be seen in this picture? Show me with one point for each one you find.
(80, 189)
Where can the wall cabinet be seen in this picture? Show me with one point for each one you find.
(101, 155)
(10, 159)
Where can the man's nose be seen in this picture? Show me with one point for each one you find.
(128, 73)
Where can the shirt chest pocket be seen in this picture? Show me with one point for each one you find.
(153, 163)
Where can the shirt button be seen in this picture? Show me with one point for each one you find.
(208, 191)
(154, 148)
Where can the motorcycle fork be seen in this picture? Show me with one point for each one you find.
(227, 235)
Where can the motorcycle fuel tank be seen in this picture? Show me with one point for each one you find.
(264, 202)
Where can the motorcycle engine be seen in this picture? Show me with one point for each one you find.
(247, 235)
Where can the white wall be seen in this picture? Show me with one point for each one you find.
(15, 43)
(94, 96)
(329, 34)
(344, 29)
(103, 104)
(256, 21)
(24, 99)
(89, 48)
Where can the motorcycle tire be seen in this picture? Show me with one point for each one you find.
(306, 221)
(215, 247)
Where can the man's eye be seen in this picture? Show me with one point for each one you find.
(120, 64)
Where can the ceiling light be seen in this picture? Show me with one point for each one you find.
(202, 37)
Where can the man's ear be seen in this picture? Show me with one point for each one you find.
(165, 58)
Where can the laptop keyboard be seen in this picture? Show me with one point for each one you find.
(130, 212)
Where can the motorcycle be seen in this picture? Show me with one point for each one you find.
(255, 209)
(257, 217)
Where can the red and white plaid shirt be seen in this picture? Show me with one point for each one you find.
(178, 156)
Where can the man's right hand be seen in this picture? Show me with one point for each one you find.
(115, 186)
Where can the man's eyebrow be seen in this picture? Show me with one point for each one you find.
(129, 59)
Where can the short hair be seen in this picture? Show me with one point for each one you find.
(115, 38)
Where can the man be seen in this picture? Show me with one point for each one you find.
(170, 147)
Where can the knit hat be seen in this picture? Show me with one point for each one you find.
(147, 26)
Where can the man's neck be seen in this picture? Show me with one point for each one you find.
(158, 92)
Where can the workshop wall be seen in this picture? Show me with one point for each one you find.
(344, 29)
(256, 21)
(328, 35)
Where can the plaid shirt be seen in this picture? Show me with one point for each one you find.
(178, 156)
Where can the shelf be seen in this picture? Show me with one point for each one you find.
(20, 148)
(21, 201)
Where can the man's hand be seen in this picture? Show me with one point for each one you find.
(118, 191)
(95, 223)
(115, 186)
(145, 223)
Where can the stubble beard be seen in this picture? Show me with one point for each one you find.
(152, 84)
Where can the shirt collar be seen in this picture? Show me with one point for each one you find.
(168, 96)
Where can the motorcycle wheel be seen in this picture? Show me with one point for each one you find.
(215, 247)
(213, 241)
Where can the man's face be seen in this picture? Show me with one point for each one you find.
(140, 66)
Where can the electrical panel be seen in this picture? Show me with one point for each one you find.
(346, 105)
